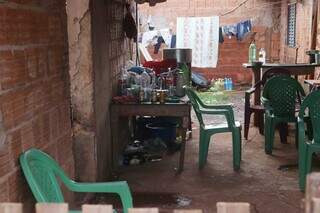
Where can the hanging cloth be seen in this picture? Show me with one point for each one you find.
(201, 34)
(129, 25)
(243, 28)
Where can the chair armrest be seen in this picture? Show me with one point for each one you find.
(250, 91)
(119, 187)
(213, 112)
(219, 106)
(227, 113)
(266, 104)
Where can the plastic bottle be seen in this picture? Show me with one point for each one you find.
(225, 83)
(145, 79)
(141, 94)
(230, 84)
(252, 52)
(262, 55)
(123, 82)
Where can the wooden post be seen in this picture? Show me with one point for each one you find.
(316, 205)
(10, 208)
(52, 208)
(233, 207)
(188, 211)
(312, 191)
(144, 210)
(97, 209)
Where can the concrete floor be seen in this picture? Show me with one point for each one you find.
(259, 182)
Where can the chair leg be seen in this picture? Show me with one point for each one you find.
(269, 130)
(309, 161)
(306, 169)
(203, 148)
(302, 167)
(297, 136)
(247, 116)
(236, 143)
(240, 146)
(309, 129)
(206, 148)
(283, 131)
(261, 123)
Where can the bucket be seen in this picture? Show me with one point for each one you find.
(166, 131)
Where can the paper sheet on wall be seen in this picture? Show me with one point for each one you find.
(201, 34)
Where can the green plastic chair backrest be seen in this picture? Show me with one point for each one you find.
(282, 93)
(312, 104)
(41, 172)
(272, 72)
(195, 102)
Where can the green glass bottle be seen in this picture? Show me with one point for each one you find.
(252, 52)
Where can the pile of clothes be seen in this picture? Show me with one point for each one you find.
(239, 30)
(157, 38)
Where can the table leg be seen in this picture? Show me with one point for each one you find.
(185, 125)
(182, 150)
(190, 124)
(257, 94)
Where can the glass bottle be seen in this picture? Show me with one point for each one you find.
(252, 52)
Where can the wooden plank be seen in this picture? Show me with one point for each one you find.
(10, 208)
(233, 207)
(312, 190)
(188, 211)
(97, 209)
(316, 205)
(52, 208)
(144, 210)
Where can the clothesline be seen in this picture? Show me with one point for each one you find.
(255, 8)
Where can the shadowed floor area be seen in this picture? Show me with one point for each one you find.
(260, 181)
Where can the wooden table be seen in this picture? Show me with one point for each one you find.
(258, 68)
(313, 84)
(181, 110)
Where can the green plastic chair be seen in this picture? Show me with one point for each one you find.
(312, 145)
(279, 99)
(41, 172)
(206, 131)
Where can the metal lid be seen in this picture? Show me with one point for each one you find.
(182, 55)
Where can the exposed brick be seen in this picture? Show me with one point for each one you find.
(4, 190)
(14, 141)
(18, 187)
(13, 70)
(27, 137)
(34, 93)
(5, 164)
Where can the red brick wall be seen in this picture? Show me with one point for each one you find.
(34, 89)
(232, 53)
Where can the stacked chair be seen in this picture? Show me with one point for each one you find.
(250, 107)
